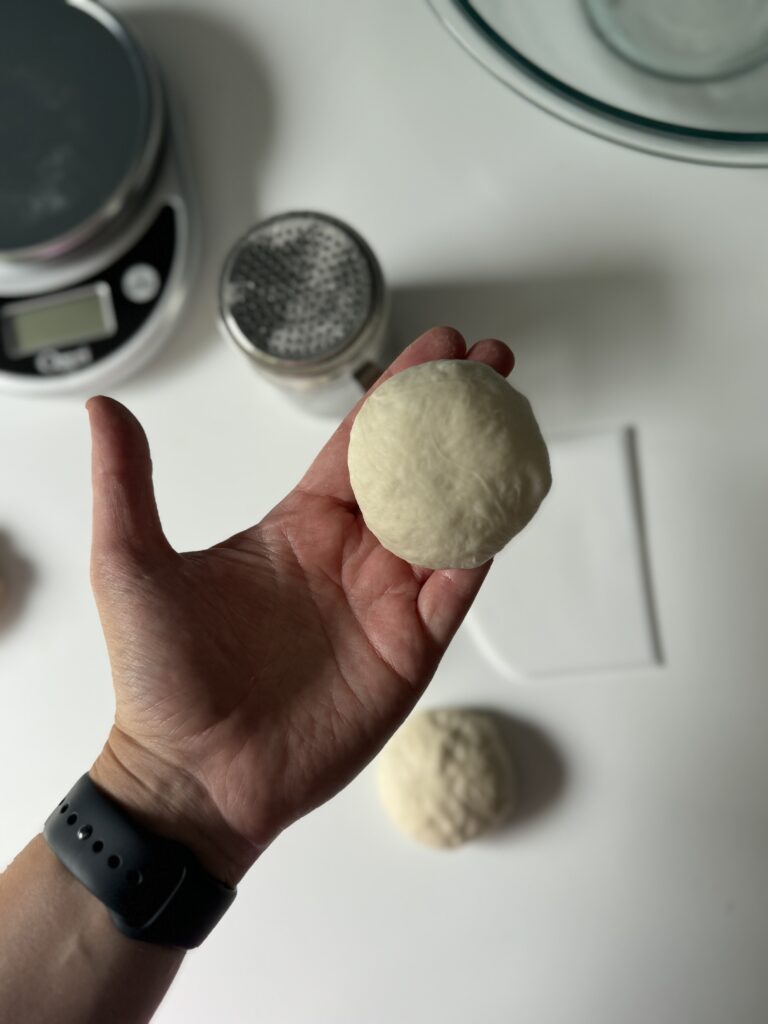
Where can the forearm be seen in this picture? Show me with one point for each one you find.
(62, 960)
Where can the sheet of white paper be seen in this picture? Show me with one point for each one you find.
(570, 593)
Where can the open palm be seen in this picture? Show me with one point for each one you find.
(265, 672)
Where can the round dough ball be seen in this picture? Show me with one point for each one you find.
(447, 776)
(447, 463)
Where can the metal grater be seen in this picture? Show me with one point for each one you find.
(303, 296)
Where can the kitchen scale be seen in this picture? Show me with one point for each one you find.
(94, 223)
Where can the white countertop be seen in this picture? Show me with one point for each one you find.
(633, 291)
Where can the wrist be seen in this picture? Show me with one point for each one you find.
(170, 802)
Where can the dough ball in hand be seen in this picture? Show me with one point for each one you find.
(447, 776)
(447, 463)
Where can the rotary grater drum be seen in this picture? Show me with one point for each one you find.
(303, 296)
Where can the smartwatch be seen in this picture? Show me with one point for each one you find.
(154, 888)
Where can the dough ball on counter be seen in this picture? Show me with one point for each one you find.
(447, 776)
(447, 463)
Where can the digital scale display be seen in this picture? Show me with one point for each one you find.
(75, 317)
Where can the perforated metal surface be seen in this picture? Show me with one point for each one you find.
(299, 287)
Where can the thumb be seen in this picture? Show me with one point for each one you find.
(125, 519)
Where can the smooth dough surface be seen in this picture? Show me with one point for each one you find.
(447, 463)
(447, 776)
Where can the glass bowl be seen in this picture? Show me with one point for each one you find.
(607, 67)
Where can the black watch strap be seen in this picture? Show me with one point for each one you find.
(155, 888)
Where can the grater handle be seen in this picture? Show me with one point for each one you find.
(367, 375)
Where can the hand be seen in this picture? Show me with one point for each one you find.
(255, 679)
